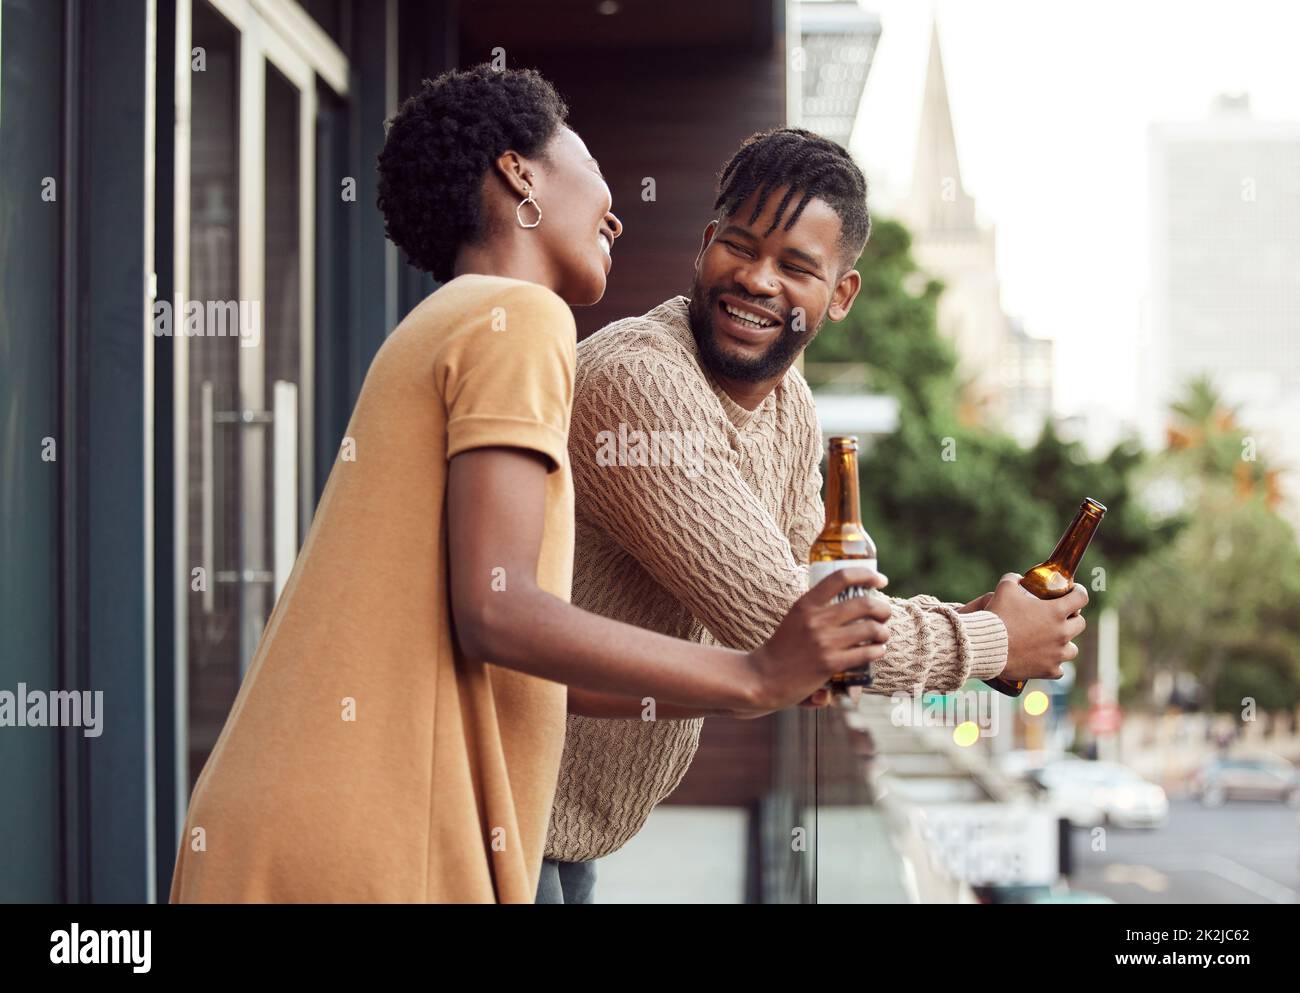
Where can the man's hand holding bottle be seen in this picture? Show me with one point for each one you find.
(1040, 633)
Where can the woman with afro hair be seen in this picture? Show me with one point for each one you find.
(397, 737)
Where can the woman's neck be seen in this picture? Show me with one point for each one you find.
(508, 258)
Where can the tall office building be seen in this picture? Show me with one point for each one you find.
(1224, 297)
(1026, 398)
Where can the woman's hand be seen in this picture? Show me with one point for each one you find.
(820, 637)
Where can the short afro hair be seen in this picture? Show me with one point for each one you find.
(809, 165)
(441, 143)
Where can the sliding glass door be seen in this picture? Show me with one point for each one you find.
(242, 324)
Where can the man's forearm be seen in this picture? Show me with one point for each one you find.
(933, 647)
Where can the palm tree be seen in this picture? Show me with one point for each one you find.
(1209, 444)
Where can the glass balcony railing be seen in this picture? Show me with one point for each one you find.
(894, 801)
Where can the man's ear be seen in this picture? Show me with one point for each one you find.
(845, 292)
(709, 229)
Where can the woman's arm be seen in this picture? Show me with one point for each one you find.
(587, 703)
(495, 512)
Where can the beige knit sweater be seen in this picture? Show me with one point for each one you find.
(708, 542)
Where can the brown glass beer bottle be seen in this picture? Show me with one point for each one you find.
(844, 542)
(1055, 577)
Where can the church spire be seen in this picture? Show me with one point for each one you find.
(937, 202)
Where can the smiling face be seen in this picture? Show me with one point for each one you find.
(760, 297)
(578, 229)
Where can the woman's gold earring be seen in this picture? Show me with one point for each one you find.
(522, 203)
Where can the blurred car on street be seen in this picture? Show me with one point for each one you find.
(1089, 794)
(1025, 763)
(1246, 777)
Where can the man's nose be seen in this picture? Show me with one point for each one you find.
(758, 278)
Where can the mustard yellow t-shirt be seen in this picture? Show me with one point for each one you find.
(365, 759)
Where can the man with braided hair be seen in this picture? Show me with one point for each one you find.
(712, 547)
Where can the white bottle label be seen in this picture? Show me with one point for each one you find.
(817, 571)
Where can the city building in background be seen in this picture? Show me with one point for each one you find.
(1223, 300)
(1008, 372)
(837, 40)
(1026, 382)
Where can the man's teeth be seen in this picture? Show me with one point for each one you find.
(604, 243)
(748, 317)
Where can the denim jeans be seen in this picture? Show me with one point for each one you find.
(567, 882)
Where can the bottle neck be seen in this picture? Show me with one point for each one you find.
(842, 488)
(1069, 550)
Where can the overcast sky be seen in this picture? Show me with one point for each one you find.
(1051, 102)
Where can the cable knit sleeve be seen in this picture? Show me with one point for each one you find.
(936, 648)
(804, 508)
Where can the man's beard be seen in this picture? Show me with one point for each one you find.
(772, 363)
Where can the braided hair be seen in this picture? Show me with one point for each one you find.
(440, 145)
(809, 165)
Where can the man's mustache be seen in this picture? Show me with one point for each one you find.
(756, 303)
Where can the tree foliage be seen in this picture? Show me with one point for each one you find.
(952, 506)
